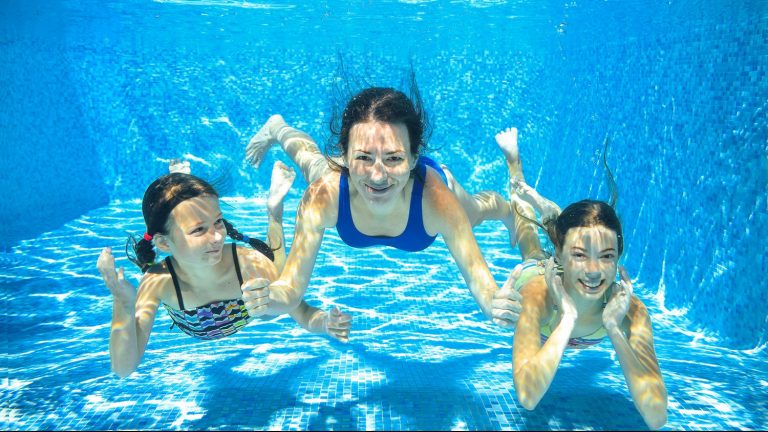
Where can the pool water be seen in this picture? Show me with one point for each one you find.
(97, 97)
(420, 356)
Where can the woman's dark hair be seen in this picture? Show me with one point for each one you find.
(585, 213)
(160, 198)
(381, 104)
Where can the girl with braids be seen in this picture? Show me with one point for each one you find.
(573, 301)
(210, 289)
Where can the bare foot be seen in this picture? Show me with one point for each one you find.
(263, 140)
(548, 210)
(282, 180)
(507, 141)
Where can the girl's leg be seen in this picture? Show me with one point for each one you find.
(299, 146)
(507, 141)
(282, 179)
(488, 205)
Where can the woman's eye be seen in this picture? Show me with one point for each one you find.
(362, 158)
(395, 158)
(197, 230)
(220, 222)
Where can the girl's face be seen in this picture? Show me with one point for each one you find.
(379, 161)
(196, 231)
(590, 259)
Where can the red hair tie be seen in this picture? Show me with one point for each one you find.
(147, 237)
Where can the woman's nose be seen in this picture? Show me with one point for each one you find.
(378, 172)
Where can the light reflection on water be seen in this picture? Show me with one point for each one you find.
(420, 354)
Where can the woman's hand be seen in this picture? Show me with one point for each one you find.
(618, 303)
(338, 324)
(561, 299)
(123, 291)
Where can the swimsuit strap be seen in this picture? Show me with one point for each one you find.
(237, 264)
(175, 282)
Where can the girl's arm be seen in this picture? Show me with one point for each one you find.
(535, 365)
(132, 314)
(280, 184)
(276, 237)
(633, 342)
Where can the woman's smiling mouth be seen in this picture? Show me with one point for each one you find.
(377, 190)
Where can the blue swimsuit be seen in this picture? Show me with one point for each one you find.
(414, 238)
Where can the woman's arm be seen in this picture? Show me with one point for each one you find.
(314, 320)
(633, 342)
(443, 214)
(256, 267)
(132, 314)
(535, 365)
(317, 211)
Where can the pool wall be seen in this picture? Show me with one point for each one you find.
(94, 108)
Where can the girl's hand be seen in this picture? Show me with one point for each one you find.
(256, 296)
(338, 324)
(560, 298)
(618, 303)
(123, 291)
(507, 302)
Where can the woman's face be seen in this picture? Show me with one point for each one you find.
(379, 161)
(196, 231)
(590, 258)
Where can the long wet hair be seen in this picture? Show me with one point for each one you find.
(160, 198)
(381, 104)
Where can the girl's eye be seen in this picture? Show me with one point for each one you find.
(197, 230)
(220, 222)
(362, 157)
(608, 256)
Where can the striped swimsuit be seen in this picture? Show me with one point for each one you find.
(214, 320)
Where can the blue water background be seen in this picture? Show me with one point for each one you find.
(97, 96)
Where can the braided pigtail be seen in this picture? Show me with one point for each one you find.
(141, 253)
(253, 242)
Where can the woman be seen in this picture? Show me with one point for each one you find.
(203, 280)
(580, 305)
(376, 188)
